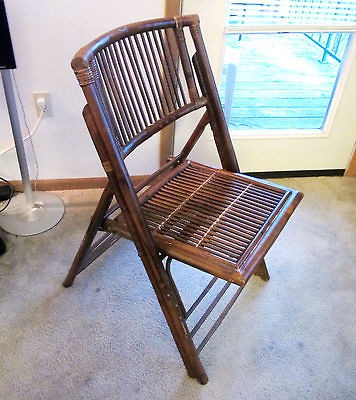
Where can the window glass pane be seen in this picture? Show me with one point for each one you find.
(280, 81)
(285, 12)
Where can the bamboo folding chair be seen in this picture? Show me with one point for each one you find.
(137, 79)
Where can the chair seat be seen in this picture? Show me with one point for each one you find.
(215, 220)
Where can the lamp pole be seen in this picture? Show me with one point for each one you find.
(17, 135)
(28, 213)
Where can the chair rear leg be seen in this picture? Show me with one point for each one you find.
(89, 236)
(262, 271)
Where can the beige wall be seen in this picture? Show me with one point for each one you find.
(45, 36)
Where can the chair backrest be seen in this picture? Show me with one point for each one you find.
(141, 77)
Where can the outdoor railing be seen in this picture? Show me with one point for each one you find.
(332, 43)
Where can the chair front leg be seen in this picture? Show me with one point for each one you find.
(170, 302)
(175, 318)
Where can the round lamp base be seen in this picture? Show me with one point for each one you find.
(23, 220)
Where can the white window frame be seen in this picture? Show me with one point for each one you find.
(324, 131)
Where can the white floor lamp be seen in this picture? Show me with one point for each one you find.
(28, 213)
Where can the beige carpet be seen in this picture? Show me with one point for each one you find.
(105, 338)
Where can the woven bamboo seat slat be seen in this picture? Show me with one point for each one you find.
(184, 219)
(138, 79)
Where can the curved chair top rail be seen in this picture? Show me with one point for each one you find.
(83, 56)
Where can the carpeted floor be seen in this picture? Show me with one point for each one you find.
(293, 337)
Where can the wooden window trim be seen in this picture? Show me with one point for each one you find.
(172, 8)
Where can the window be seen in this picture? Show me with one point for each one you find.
(282, 61)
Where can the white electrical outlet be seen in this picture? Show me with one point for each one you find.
(42, 101)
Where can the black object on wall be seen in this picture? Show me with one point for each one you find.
(7, 58)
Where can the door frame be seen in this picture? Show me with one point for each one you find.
(172, 8)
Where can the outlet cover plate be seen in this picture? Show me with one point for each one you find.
(47, 97)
